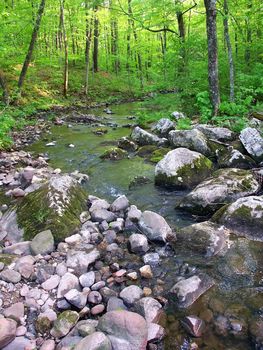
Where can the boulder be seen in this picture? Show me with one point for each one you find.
(233, 158)
(126, 330)
(182, 168)
(193, 140)
(55, 206)
(121, 203)
(216, 133)
(178, 115)
(253, 143)
(155, 227)
(188, 290)
(42, 243)
(94, 341)
(163, 127)
(225, 186)
(143, 137)
(244, 217)
(101, 215)
(138, 243)
(7, 331)
(205, 238)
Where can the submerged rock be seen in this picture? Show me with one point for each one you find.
(225, 186)
(244, 217)
(253, 143)
(115, 153)
(188, 290)
(193, 325)
(182, 168)
(193, 140)
(206, 238)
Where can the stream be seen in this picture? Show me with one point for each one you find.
(237, 297)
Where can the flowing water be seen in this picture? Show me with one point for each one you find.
(238, 292)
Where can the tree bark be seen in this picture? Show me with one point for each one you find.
(213, 80)
(87, 49)
(181, 29)
(229, 53)
(96, 42)
(32, 45)
(65, 42)
(4, 87)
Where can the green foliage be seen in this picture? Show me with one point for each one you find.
(184, 124)
(6, 123)
(204, 106)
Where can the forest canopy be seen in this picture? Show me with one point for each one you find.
(210, 51)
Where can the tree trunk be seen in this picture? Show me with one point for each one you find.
(181, 29)
(229, 53)
(96, 42)
(87, 49)
(32, 45)
(65, 42)
(249, 33)
(213, 80)
(4, 87)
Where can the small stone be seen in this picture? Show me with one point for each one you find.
(152, 259)
(147, 291)
(74, 239)
(155, 332)
(21, 330)
(132, 276)
(42, 243)
(48, 345)
(67, 282)
(146, 271)
(138, 243)
(193, 325)
(76, 298)
(131, 294)
(61, 269)
(87, 279)
(98, 285)
(51, 283)
(134, 214)
(10, 276)
(64, 323)
(121, 203)
(97, 310)
(7, 331)
(15, 311)
(115, 303)
(94, 297)
(94, 341)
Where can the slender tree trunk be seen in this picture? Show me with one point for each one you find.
(65, 42)
(128, 50)
(229, 53)
(96, 42)
(87, 49)
(210, 6)
(248, 33)
(181, 29)
(4, 87)
(32, 45)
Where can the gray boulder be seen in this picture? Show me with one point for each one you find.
(120, 203)
(94, 341)
(233, 158)
(126, 330)
(188, 290)
(253, 143)
(244, 217)
(163, 127)
(224, 187)
(193, 139)
(7, 331)
(182, 168)
(149, 308)
(155, 227)
(216, 133)
(143, 137)
(42, 243)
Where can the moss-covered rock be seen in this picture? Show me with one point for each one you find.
(64, 323)
(158, 154)
(182, 168)
(225, 186)
(233, 158)
(244, 217)
(55, 206)
(7, 259)
(146, 151)
(114, 154)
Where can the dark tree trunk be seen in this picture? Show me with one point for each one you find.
(181, 29)
(32, 45)
(96, 42)
(210, 6)
(229, 53)
(4, 87)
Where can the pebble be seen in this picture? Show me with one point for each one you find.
(146, 271)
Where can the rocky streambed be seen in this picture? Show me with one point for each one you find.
(95, 256)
